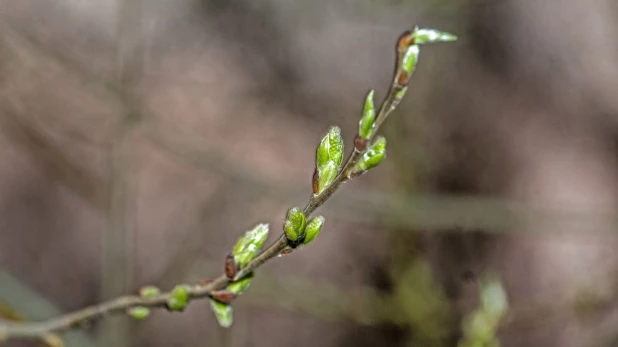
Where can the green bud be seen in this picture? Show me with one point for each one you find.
(365, 126)
(179, 298)
(313, 229)
(422, 36)
(295, 222)
(327, 175)
(249, 245)
(493, 298)
(223, 313)
(401, 93)
(410, 58)
(139, 312)
(330, 148)
(373, 156)
(238, 287)
(149, 292)
(329, 157)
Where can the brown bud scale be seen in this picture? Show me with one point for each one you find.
(402, 78)
(224, 296)
(230, 266)
(360, 143)
(405, 41)
(316, 182)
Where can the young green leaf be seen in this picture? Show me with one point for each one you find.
(223, 313)
(329, 156)
(365, 125)
(238, 287)
(327, 175)
(139, 312)
(313, 229)
(373, 157)
(149, 292)
(410, 58)
(295, 222)
(249, 244)
(422, 36)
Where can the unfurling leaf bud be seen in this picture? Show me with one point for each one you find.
(139, 312)
(373, 157)
(365, 126)
(179, 298)
(223, 313)
(249, 245)
(313, 229)
(410, 58)
(238, 287)
(329, 157)
(422, 36)
(327, 175)
(294, 226)
(149, 292)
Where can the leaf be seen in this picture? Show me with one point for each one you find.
(410, 58)
(327, 175)
(423, 36)
(223, 313)
(314, 226)
(249, 244)
(365, 125)
(238, 287)
(295, 222)
(330, 148)
(373, 157)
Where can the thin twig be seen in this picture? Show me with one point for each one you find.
(122, 304)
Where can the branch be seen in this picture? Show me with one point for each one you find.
(329, 175)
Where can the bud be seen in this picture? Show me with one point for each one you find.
(365, 126)
(493, 298)
(238, 287)
(179, 298)
(294, 226)
(139, 312)
(422, 36)
(313, 229)
(149, 292)
(249, 245)
(373, 157)
(223, 313)
(410, 58)
(329, 157)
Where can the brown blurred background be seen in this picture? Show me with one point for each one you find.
(139, 139)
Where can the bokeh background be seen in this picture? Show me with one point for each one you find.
(139, 139)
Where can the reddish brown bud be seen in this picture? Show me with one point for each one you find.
(230, 266)
(224, 296)
(360, 143)
(405, 40)
(402, 78)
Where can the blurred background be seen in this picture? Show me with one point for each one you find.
(139, 139)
